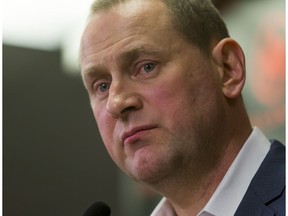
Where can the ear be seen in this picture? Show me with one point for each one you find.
(230, 60)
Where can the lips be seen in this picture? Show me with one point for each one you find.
(135, 133)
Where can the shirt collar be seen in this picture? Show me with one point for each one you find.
(238, 177)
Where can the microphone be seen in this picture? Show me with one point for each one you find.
(98, 209)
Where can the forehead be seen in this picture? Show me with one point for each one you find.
(109, 26)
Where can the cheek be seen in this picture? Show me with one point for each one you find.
(171, 97)
(108, 131)
(184, 104)
(105, 127)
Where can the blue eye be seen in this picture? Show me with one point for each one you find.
(104, 87)
(149, 67)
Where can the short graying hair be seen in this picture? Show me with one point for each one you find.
(198, 20)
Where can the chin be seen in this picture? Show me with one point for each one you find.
(148, 177)
(150, 170)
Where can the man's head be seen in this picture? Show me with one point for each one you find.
(198, 20)
(162, 105)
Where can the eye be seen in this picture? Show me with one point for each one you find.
(146, 70)
(149, 67)
(103, 87)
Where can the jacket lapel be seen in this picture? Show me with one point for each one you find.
(267, 185)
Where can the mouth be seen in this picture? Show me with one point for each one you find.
(135, 133)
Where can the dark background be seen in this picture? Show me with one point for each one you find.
(54, 162)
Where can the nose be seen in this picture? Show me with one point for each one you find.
(122, 100)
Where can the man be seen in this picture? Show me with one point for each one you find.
(164, 80)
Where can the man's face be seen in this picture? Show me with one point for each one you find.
(156, 97)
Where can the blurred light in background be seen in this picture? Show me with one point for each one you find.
(259, 27)
(46, 25)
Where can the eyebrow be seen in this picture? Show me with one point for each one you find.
(128, 57)
(93, 71)
(134, 53)
(124, 59)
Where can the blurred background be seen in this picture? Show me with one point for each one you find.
(54, 162)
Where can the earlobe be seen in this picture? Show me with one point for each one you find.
(230, 62)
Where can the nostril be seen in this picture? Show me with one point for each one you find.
(128, 109)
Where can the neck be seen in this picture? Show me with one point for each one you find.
(189, 195)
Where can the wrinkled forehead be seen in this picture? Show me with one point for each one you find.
(122, 20)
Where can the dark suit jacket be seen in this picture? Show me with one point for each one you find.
(265, 195)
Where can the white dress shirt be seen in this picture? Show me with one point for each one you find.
(231, 190)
